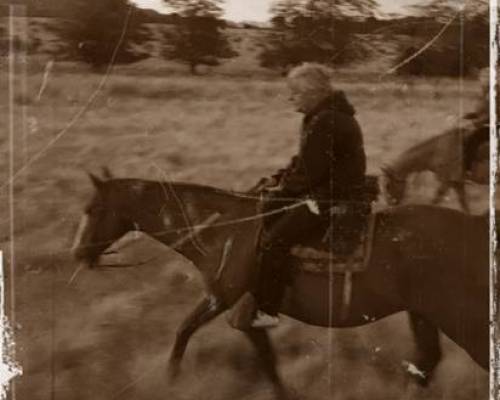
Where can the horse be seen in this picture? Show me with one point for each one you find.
(432, 262)
(442, 155)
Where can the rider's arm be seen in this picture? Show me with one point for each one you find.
(313, 161)
(278, 175)
(273, 183)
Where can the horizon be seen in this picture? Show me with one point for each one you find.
(258, 10)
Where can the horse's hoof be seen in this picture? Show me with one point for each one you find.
(421, 381)
(419, 376)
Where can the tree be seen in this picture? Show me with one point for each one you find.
(198, 36)
(462, 49)
(313, 30)
(443, 10)
(99, 30)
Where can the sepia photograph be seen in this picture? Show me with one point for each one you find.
(248, 200)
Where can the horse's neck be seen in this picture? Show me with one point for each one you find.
(411, 161)
(207, 219)
(221, 241)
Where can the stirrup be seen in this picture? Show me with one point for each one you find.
(264, 320)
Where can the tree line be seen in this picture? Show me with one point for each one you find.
(327, 31)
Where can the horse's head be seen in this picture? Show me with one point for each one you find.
(101, 224)
(394, 187)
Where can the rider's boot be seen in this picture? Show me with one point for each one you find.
(245, 314)
(259, 308)
(265, 320)
(271, 287)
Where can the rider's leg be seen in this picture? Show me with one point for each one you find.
(272, 279)
(346, 230)
(289, 229)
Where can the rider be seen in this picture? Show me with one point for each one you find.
(329, 170)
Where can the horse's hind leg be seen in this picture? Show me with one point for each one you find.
(460, 190)
(205, 311)
(428, 347)
(262, 343)
(441, 191)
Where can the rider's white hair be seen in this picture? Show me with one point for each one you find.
(312, 76)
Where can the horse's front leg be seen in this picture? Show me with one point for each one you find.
(262, 343)
(206, 310)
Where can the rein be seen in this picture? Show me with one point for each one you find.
(210, 221)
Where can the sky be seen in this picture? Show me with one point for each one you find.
(258, 10)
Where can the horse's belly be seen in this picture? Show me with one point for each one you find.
(318, 299)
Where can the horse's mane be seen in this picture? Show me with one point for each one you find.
(213, 190)
(193, 187)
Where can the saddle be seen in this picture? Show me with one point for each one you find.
(319, 254)
(319, 257)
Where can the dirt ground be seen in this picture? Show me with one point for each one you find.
(108, 334)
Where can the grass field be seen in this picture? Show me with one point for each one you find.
(107, 335)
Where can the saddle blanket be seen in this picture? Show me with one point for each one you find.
(322, 261)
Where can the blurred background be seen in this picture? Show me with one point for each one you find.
(193, 90)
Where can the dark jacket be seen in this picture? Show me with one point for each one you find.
(331, 161)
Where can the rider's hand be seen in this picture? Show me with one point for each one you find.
(271, 182)
(273, 189)
(265, 185)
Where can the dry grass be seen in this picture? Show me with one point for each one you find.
(110, 328)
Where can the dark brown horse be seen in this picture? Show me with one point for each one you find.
(442, 155)
(430, 261)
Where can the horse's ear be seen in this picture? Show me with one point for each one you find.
(106, 173)
(97, 182)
